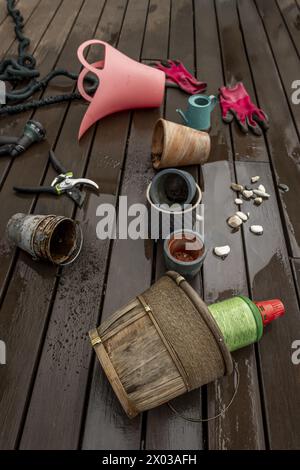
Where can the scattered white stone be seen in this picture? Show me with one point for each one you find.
(257, 229)
(247, 194)
(254, 179)
(237, 187)
(258, 201)
(238, 201)
(242, 216)
(260, 193)
(261, 188)
(234, 221)
(248, 214)
(222, 251)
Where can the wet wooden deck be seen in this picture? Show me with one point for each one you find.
(53, 394)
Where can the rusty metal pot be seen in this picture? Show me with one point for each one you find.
(49, 237)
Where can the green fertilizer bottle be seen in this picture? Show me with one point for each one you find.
(242, 321)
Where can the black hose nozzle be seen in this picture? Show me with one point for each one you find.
(33, 132)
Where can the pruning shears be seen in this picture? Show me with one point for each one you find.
(63, 183)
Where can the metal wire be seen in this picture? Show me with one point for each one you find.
(204, 420)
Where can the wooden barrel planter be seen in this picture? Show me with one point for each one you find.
(160, 345)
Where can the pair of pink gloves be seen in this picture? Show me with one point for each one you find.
(235, 102)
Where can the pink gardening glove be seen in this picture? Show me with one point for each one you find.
(177, 73)
(235, 103)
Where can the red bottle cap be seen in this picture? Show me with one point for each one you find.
(270, 310)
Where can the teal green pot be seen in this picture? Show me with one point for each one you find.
(198, 113)
(184, 252)
(172, 186)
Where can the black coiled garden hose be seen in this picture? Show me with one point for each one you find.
(23, 69)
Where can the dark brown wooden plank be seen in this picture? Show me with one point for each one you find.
(236, 69)
(271, 277)
(130, 263)
(182, 33)
(34, 277)
(164, 428)
(63, 372)
(296, 269)
(227, 13)
(224, 279)
(291, 14)
(218, 204)
(286, 57)
(282, 137)
(209, 69)
(157, 30)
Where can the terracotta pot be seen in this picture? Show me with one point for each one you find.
(176, 145)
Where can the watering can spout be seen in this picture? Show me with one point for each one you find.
(179, 111)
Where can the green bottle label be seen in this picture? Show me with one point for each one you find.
(239, 320)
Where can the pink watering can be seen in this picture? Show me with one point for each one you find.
(123, 84)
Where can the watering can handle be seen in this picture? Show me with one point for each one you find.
(81, 78)
(179, 111)
(82, 59)
(213, 100)
(96, 67)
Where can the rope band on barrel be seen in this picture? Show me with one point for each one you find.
(182, 318)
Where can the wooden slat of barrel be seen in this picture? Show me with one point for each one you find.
(143, 364)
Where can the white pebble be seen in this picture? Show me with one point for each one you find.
(254, 179)
(261, 188)
(257, 229)
(237, 187)
(242, 216)
(238, 201)
(247, 194)
(260, 193)
(234, 221)
(222, 251)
